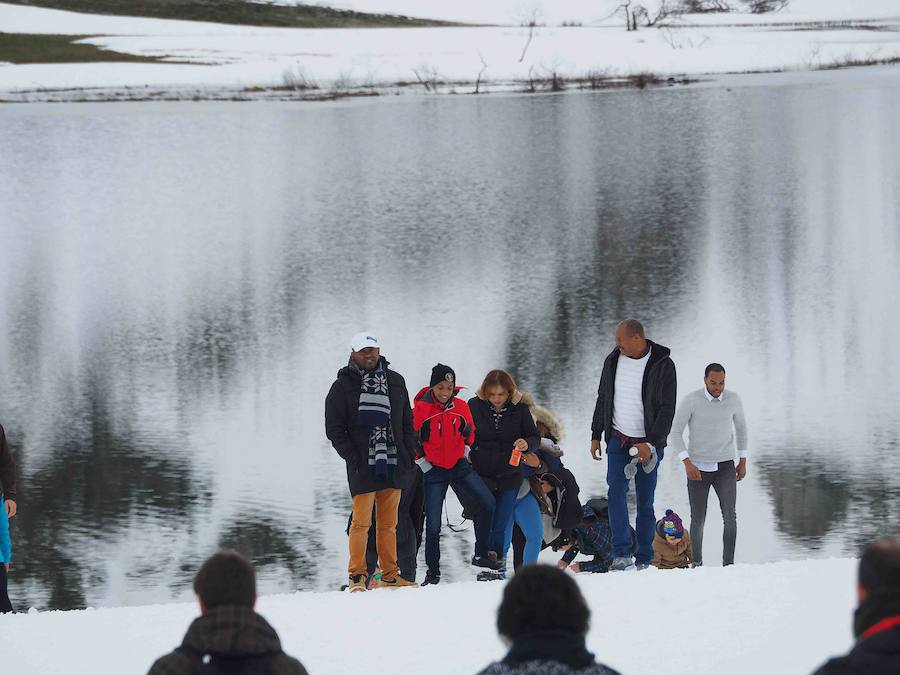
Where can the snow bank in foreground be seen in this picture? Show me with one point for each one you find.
(782, 617)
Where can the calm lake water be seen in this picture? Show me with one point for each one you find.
(179, 282)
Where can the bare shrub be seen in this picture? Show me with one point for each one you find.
(428, 77)
(595, 78)
(652, 17)
(679, 38)
(765, 6)
(298, 79)
(484, 66)
(644, 79)
(343, 81)
(705, 6)
(531, 19)
(648, 13)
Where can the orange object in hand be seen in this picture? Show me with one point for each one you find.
(515, 457)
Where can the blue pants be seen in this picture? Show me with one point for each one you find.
(463, 479)
(617, 458)
(527, 515)
(5, 541)
(504, 512)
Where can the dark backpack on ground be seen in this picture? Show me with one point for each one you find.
(205, 663)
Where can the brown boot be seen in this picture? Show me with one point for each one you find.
(396, 582)
(357, 583)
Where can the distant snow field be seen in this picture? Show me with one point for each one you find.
(785, 617)
(593, 11)
(235, 58)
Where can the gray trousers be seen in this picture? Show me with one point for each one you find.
(724, 482)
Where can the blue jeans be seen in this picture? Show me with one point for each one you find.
(617, 458)
(527, 515)
(504, 512)
(463, 479)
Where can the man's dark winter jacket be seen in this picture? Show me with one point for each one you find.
(878, 650)
(548, 653)
(230, 631)
(658, 392)
(875, 655)
(493, 445)
(352, 441)
(7, 469)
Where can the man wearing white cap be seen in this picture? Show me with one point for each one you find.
(368, 420)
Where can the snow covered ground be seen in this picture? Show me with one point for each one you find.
(783, 617)
(236, 58)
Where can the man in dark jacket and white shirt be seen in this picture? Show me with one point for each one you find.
(369, 421)
(635, 407)
(715, 418)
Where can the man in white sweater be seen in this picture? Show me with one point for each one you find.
(718, 433)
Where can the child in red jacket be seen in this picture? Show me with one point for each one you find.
(445, 428)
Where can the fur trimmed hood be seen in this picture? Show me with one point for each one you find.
(518, 396)
(549, 420)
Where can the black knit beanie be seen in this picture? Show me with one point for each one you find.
(440, 373)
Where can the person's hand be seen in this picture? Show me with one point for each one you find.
(10, 508)
(531, 459)
(562, 564)
(741, 469)
(643, 452)
(596, 450)
(468, 454)
(6, 565)
(575, 567)
(693, 473)
(521, 445)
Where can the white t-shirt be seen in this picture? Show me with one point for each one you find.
(628, 406)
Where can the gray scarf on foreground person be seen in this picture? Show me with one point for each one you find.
(375, 413)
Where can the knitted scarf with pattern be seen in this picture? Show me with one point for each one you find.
(374, 413)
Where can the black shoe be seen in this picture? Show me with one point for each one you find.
(487, 563)
(431, 578)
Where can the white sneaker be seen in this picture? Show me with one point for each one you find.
(622, 564)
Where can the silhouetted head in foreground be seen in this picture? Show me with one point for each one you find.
(227, 578)
(878, 584)
(879, 567)
(542, 598)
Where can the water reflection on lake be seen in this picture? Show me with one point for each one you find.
(179, 284)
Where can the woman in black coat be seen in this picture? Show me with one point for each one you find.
(504, 430)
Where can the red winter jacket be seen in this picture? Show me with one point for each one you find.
(444, 431)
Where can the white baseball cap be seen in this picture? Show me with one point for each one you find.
(362, 340)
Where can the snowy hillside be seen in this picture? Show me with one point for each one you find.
(776, 618)
(591, 11)
(215, 60)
